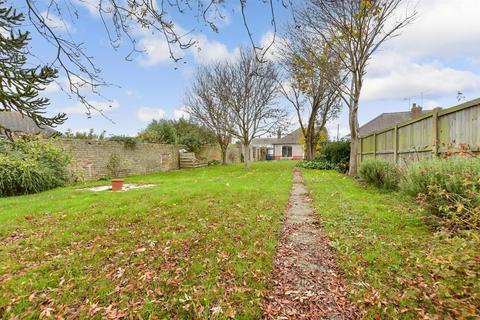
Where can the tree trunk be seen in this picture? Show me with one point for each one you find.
(223, 151)
(310, 144)
(246, 156)
(353, 122)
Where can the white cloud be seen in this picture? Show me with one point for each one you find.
(207, 51)
(392, 76)
(55, 22)
(271, 46)
(157, 50)
(146, 114)
(204, 51)
(442, 28)
(432, 55)
(90, 5)
(180, 113)
(103, 106)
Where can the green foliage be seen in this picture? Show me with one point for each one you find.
(90, 135)
(318, 164)
(31, 165)
(449, 188)
(128, 142)
(406, 271)
(57, 234)
(179, 131)
(337, 152)
(334, 156)
(114, 165)
(19, 84)
(214, 162)
(380, 173)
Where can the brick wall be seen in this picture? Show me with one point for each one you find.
(213, 152)
(91, 157)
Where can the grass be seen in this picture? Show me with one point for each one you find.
(395, 265)
(198, 245)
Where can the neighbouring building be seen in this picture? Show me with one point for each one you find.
(389, 119)
(289, 147)
(19, 124)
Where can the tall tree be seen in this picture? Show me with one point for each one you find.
(125, 22)
(315, 100)
(251, 90)
(354, 30)
(206, 104)
(20, 85)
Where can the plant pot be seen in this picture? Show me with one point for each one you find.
(117, 184)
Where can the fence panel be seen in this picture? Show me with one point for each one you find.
(437, 132)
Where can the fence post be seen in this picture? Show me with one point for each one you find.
(375, 145)
(395, 144)
(361, 149)
(435, 133)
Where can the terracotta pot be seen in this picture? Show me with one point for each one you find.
(117, 184)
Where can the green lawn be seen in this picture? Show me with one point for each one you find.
(198, 245)
(396, 266)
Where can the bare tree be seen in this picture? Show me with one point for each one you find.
(315, 100)
(354, 30)
(124, 21)
(252, 90)
(206, 104)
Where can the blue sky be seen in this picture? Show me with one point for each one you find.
(435, 57)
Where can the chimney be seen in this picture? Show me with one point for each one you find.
(416, 111)
(279, 134)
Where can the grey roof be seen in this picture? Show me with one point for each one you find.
(386, 120)
(15, 122)
(293, 137)
(263, 141)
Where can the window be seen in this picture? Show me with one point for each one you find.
(287, 151)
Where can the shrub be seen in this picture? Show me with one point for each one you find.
(380, 173)
(114, 165)
(128, 142)
(214, 162)
(337, 152)
(318, 164)
(449, 188)
(31, 165)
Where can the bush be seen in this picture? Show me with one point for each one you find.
(380, 173)
(214, 162)
(337, 152)
(449, 188)
(31, 165)
(318, 164)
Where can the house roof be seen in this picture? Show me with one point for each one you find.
(293, 137)
(386, 120)
(263, 141)
(16, 122)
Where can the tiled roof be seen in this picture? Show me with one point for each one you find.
(386, 120)
(263, 141)
(15, 122)
(293, 137)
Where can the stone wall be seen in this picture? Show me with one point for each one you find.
(91, 157)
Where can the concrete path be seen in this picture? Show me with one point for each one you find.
(307, 283)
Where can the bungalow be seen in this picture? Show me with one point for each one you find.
(389, 119)
(19, 124)
(290, 147)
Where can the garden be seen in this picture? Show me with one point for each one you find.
(200, 243)
(197, 245)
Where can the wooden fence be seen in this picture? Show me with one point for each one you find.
(437, 132)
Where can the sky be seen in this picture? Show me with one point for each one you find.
(428, 63)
